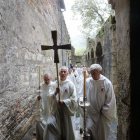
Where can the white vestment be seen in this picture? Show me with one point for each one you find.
(102, 109)
(80, 88)
(80, 71)
(59, 125)
(76, 75)
(71, 78)
(44, 104)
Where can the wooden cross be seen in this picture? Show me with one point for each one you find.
(55, 47)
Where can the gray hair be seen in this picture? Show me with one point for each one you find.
(64, 67)
(48, 74)
(96, 66)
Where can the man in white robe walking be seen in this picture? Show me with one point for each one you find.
(59, 125)
(88, 71)
(46, 88)
(71, 76)
(102, 109)
(76, 75)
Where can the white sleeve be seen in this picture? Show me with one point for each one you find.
(109, 108)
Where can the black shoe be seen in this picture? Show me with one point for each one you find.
(81, 130)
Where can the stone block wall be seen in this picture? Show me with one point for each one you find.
(25, 25)
(75, 58)
(122, 14)
(107, 38)
(106, 55)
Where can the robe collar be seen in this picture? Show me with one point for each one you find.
(64, 82)
(102, 78)
(48, 84)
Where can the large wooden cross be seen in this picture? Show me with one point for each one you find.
(55, 47)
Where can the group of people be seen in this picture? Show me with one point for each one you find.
(57, 114)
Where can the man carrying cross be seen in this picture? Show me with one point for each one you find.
(59, 125)
(63, 101)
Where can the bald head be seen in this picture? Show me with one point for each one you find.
(47, 78)
(95, 70)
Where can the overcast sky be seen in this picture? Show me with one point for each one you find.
(72, 25)
(78, 40)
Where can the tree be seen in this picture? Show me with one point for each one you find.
(80, 51)
(93, 14)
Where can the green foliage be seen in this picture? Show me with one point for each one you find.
(80, 51)
(101, 31)
(93, 13)
(77, 114)
(78, 64)
(90, 42)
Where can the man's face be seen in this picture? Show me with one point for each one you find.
(73, 70)
(95, 74)
(63, 74)
(47, 79)
(88, 71)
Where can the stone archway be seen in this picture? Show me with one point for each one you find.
(88, 56)
(92, 53)
(99, 56)
(92, 56)
(99, 50)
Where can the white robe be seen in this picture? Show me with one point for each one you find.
(102, 109)
(80, 71)
(71, 78)
(80, 88)
(44, 105)
(76, 83)
(76, 76)
(59, 125)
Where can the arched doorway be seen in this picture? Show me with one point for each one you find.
(88, 56)
(92, 56)
(92, 53)
(99, 54)
(99, 50)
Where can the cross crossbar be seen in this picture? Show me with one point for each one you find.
(55, 47)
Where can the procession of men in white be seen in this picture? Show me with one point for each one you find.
(56, 117)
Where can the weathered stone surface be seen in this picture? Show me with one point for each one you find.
(103, 50)
(75, 59)
(122, 11)
(123, 68)
(25, 25)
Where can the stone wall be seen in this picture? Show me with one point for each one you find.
(122, 11)
(25, 25)
(75, 58)
(103, 49)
